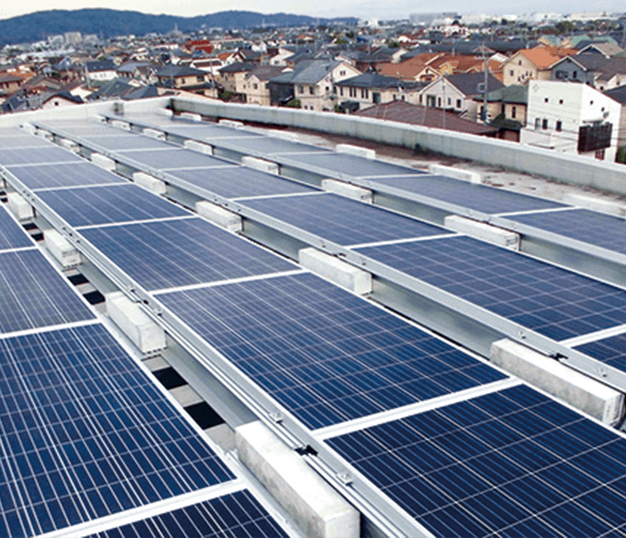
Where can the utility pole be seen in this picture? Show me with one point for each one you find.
(443, 103)
(486, 69)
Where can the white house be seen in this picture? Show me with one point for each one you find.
(571, 118)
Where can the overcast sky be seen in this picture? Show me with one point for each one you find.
(320, 8)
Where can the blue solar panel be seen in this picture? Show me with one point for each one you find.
(343, 221)
(477, 197)
(18, 139)
(324, 354)
(168, 254)
(103, 205)
(552, 301)
(269, 145)
(33, 294)
(513, 463)
(610, 351)
(231, 516)
(12, 235)
(63, 175)
(39, 155)
(171, 159)
(82, 128)
(239, 181)
(117, 140)
(581, 224)
(86, 433)
(198, 131)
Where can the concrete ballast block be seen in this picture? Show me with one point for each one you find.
(22, 210)
(356, 150)
(336, 270)
(347, 190)
(597, 204)
(318, 510)
(220, 216)
(135, 323)
(154, 133)
(61, 249)
(580, 391)
(103, 161)
(29, 128)
(44, 134)
(198, 146)
(482, 230)
(69, 144)
(119, 124)
(149, 182)
(191, 116)
(260, 164)
(231, 123)
(465, 175)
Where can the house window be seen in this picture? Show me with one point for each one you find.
(546, 100)
(560, 101)
(439, 101)
(559, 125)
(300, 89)
(420, 100)
(591, 102)
(449, 101)
(342, 73)
(599, 154)
(511, 73)
(341, 91)
(544, 123)
(364, 93)
(519, 62)
(256, 86)
(575, 74)
(200, 78)
(537, 124)
(513, 112)
(312, 90)
(458, 103)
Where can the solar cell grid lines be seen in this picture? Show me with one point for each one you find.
(237, 515)
(63, 175)
(238, 181)
(33, 294)
(610, 351)
(269, 145)
(477, 197)
(166, 254)
(173, 159)
(555, 302)
(510, 463)
(108, 204)
(343, 221)
(588, 226)
(22, 140)
(86, 434)
(117, 140)
(326, 355)
(38, 155)
(12, 235)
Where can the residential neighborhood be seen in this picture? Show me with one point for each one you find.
(516, 77)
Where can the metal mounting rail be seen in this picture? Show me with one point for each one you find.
(447, 314)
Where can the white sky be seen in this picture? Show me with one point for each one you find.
(320, 8)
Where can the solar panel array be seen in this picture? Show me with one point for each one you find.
(555, 302)
(11, 234)
(267, 145)
(15, 138)
(171, 253)
(37, 155)
(173, 158)
(343, 221)
(610, 351)
(51, 176)
(120, 141)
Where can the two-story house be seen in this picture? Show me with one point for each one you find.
(532, 64)
(593, 69)
(372, 88)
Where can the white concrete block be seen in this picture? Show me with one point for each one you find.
(119, 124)
(103, 161)
(135, 323)
(484, 231)
(260, 164)
(29, 128)
(69, 144)
(582, 392)
(22, 210)
(198, 146)
(597, 204)
(149, 182)
(231, 123)
(165, 112)
(347, 190)
(220, 216)
(457, 173)
(336, 270)
(44, 134)
(191, 116)
(61, 249)
(154, 133)
(356, 150)
(284, 135)
(317, 509)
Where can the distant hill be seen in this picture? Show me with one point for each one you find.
(110, 23)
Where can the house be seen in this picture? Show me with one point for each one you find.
(506, 110)
(100, 71)
(456, 92)
(532, 64)
(603, 48)
(619, 95)
(256, 84)
(137, 70)
(372, 88)
(9, 83)
(417, 69)
(571, 118)
(233, 77)
(593, 69)
(175, 76)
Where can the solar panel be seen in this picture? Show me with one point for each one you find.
(63, 175)
(239, 181)
(343, 221)
(171, 159)
(12, 235)
(82, 128)
(166, 254)
(33, 294)
(86, 433)
(236, 515)
(610, 351)
(38, 155)
(350, 165)
(583, 225)
(511, 463)
(555, 302)
(270, 145)
(20, 140)
(477, 197)
(117, 140)
(205, 131)
(326, 355)
(101, 205)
